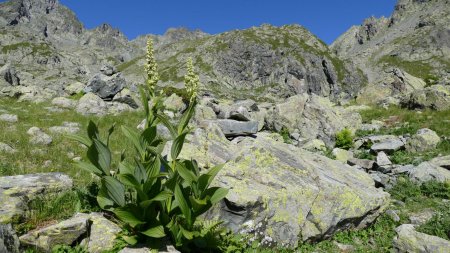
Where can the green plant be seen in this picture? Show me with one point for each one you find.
(439, 224)
(155, 196)
(344, 139)
(286, 135)
(68, 249)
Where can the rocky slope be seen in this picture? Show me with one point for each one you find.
(404, 52)
(45, 48)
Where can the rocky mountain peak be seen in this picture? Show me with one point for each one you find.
(107, 29)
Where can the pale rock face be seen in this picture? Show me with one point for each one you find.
(424, 140)
(91, 104)
(409, 240)
(11, 118)
(39, 137)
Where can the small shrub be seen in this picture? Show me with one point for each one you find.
(344, 139)
(286, 135)
(68, 249)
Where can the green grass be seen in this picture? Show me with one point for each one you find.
(403, 121)
(125, 65)
(31, 158)
(42, 49)
(419, 69)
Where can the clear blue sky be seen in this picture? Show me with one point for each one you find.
(325, 18)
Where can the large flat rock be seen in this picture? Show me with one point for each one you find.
(17, 191)
(285, 193)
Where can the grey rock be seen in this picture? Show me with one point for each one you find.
(342, 154)
(9, 75)
(442, 161)
(175, 104)
(10, 118)
(383, 159)
(143, 249)
(63, 233)
(241, 114)
(393, 215)
(106, 87)
(363, 163)
(91, 104)
(436, 97)
(313, 117)
(5, 148)
(404, 169)
(427, 171)
(16, 191)
(409, 240)
(288, 194)
(66, 128)
(108, 70)
(424, 140)
(383, 180)
(65, 103)
(232, 128)
(74, 88)
(9, 242)
(422, 217)
(102, 233)
(344, 248)
(125, 96)
(39, 137)
(389, 146)
(315, 145)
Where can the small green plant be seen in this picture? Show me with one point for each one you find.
(344, 139)
(155, 196)
(439, 225)
(68, 249)
(286, 135)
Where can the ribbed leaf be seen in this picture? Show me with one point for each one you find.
(144, 100)
(205, 180)
(162, 196)
(110, 132)
(89, 167)
(216, 194)
(126, 168)
(185, 173)
(103, 199)
(187, 234)
(131, 240)
(186, 117)
(177, 146)
(126, 215)
(104, 156)
(115, 190)
(154, 168)
(133, 136)
(92, 130)
(81, 139)
(149, 134)
(179, 197)
(155, 232)
(166, 122)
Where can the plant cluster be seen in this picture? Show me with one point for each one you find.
(155, 196)
(344, 139)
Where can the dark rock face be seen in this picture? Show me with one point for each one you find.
(105, 86)
(9, 242)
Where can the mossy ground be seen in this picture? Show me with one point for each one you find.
(402, 121)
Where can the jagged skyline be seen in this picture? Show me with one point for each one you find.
(215, 17)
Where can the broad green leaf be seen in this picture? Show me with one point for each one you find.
(139, 172)
(133, 136)
(203, 184)
(187, 234)
(185, 173)
(126, 215)
(144, 100)
(154, 168)
(92, 130)
(104, 156)
(81, 139)
(166, 122)
(162, 196)
(179, 197)
(186, 117)
(155, 232)
(149, 134)
(216, 194)
(128, 180)
(89, 167)
(131, 240)
(110, 132)
(115, 190)
(126, 168)
(103, 199)
(177, 145)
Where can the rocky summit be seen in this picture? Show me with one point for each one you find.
(270, 141)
